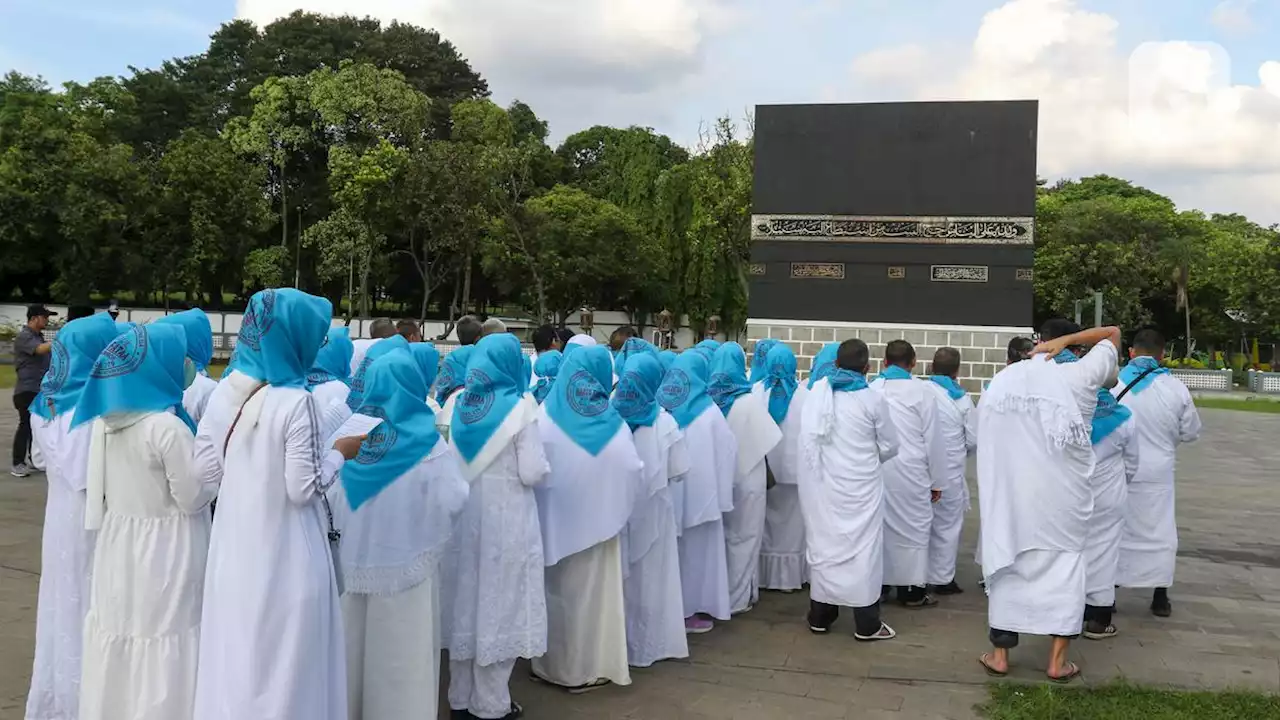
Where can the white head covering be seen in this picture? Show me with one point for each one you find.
(583, 340)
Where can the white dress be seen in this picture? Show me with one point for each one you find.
(651, 582)
(782, 565)
(66, 552)
(330, 393)
(1117, 463)
(846, 438)
(142, 633)
(700, 502)
(908, 479)
(391, 549)
(272, 638)
(757, 434)
(954, 421)
(196, 397)
(1165, 417)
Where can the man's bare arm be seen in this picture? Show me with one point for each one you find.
(43, 348)
(1088, 338)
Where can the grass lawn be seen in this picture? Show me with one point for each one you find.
(1122, 701)
(7, 377)
(1261, 406)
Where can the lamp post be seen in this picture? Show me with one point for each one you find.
(665, 329)
(586, 319)
(713, 327)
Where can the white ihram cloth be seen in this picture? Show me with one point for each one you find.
(1165, 417)
(846, 437)
(700, 501)
(583, 507)
(908, 479)
(196, 397)
(272, 639)
(494, 582)
(782, 565)
(1116, 463)
(360, 348)
(1033, 489)
(142, 633)
(757, 434)
(66, 562)
(651, 573)
(954, 422)
(391, 549)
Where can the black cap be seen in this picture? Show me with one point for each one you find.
(34, 311)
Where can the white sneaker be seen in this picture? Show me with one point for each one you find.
(20, 470)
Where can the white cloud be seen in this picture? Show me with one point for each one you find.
(1165, 115)
(1233, 16)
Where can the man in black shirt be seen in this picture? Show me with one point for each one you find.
(30, 360)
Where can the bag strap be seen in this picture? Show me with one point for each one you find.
(1136, 380)
(227, 442)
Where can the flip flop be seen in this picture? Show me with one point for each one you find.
(1064, 679)
(982, 660)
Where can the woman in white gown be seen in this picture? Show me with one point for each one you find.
(395, 508)
(651, 570)
(782, 563)
(272, 640)
(142, 632)
(66, 549)
(499, 610)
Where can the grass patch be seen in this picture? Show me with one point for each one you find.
(1124, 701)
(1260, 406)
(8, 377)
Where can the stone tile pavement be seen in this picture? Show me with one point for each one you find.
(1225, 631)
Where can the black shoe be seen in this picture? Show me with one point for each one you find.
(1162, 609)
(950, 588)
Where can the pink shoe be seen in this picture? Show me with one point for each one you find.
(697, 626)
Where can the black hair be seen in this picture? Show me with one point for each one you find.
(626, 331)
(900, 353)
(1019, 349)
(469, 329)
(408, 329)
(946, 361)
(543, 336)
(1056, 328)
(1148, 341)
(382, 328)
(565, 335)
(853, 355)
(75, 312)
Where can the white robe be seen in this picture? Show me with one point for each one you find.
(757, 434)
(196, 398)
(651, 575)
(360, 348)
(1116, 464)
(908, 479)
(272, 638)
(782, 565)
(391, 550)
(583, 507)
(1165, 416)
(66, 562)
(330, 393)
(1033, 488)
(954, 421)
(846, 437)
(142, 633)
(700, 502)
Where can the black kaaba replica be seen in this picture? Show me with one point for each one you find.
(899, 217)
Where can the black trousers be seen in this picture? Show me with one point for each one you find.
(1098, 615)
(1008, 639)
(866, 620)
(22, 438)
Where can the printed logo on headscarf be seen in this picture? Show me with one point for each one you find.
(444, 379)
(477, 398)
(124, 355)
(318, 378)
(357, 382)
(258, 318)
(719, 387)
(625, 398)
(585, 395)
(59, 369)
(674, 390)
(379, 441)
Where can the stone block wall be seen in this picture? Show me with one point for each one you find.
(982, 349)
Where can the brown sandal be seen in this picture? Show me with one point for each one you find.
(982, 660)
(1072, 674)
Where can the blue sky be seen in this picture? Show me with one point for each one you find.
(672, 64)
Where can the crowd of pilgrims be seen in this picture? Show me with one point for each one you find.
(586, 508)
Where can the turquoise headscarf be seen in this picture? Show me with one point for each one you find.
(633, 347)
(377, 350)
(636, 397)
(453, 373)
(847, 380)
(707, 348)
(1136, 367)
(950, 385)
(199, 334)
(394, 389)
(428, 359)
(684, 388)
(779, 368)
(667, 358)
(496, 379)
(333, 362)
(1109, 414)
(74, 350)
(894, 372)
(579, 399)
(728, 376)
(824, 364)
(280, 336)
(759, 359)
(547, 368)
(140, 371)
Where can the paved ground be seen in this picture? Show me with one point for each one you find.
(1225, 631)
